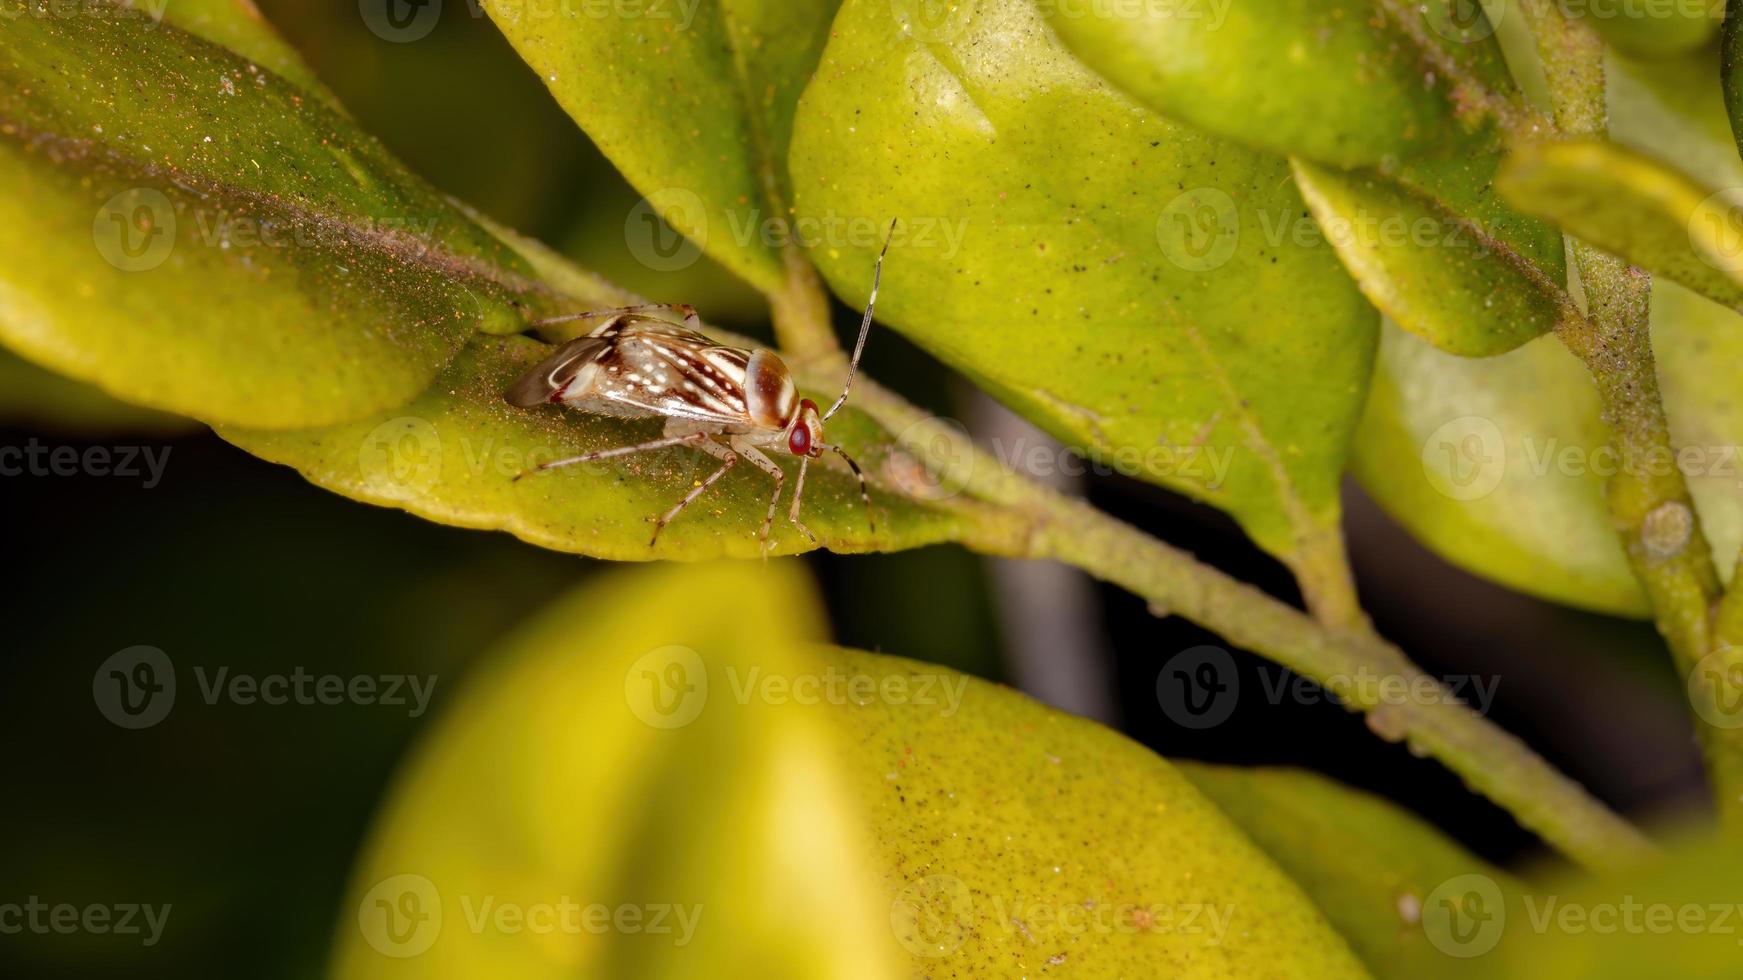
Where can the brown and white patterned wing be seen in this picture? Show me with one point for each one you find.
(650, 367)
(556, 374)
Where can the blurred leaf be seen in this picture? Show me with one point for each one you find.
(1386, 122)
(1645, 211)
(237, 25)
(1468, 276)
(34, 396)
(1499, 465)
(707, 760)
(454, 102)
(1656, 30)
(1671, 109)
(693, 102)
(191, 232)
(1451, 447)
(453, 453)
(1340, 82)
(1368, 864)
(564, 776)
(1677, 921)
(598, 238)
(1114, 277)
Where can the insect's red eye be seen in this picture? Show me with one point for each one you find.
(799, 441)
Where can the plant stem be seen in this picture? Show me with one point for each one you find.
(1647, 498)
(1031, 521)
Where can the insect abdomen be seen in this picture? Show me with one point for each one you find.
(770, 397)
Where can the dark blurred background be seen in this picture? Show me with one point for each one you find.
(247, 818)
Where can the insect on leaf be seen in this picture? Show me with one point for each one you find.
(1127, 283)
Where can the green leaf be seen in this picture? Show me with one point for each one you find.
(694, 104)
(1111, 275)
(1647, 212)
(453, 454)
(1349, 83)
(1368, 864)
(1656, 30)
(191, 232)
(1468, 276)
(1731, 79)
(33, 396)
(1499, 465)
(1464, 454)
(1495, 465)
(1674, 921)
(1384, 109)
(617, 753)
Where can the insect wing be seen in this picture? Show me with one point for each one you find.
(547, 382)
(666, 370)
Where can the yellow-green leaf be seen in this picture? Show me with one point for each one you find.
(35, 396)
(453, 455)
(1674, 921)
(1470, 277)
(693, 102)
(1349, 83)
(572, 817)
(1374, 869)
(190, 231)
(833, 814)
(1646, 211)
(1132, 285)
(1499, 465)
(1655, 30)
(1385, 110)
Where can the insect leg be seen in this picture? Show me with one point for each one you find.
(799, 494)
(691, 318)
(715, 449)
(661, 443)
(864, 495)
(768, 466)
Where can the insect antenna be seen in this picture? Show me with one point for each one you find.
(864, 495)
(864, 326)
